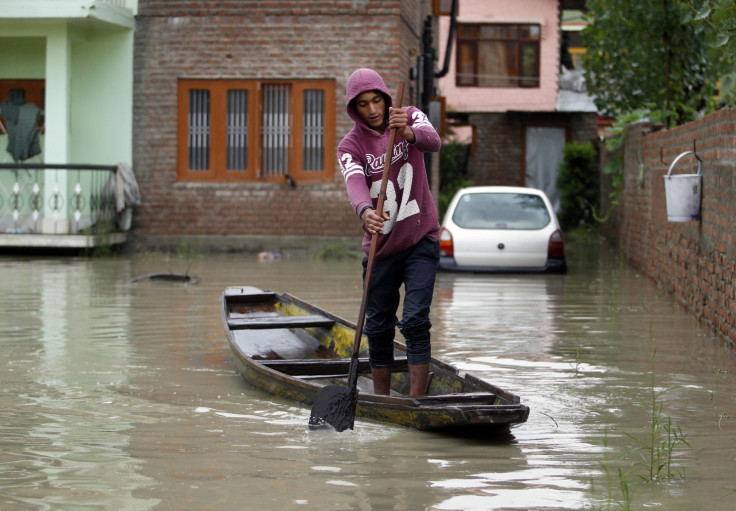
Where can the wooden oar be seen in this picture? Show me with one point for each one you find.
(335, 405)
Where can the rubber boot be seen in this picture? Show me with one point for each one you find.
(381, 380)
(418, 374)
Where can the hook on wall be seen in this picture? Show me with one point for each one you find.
(695, 152)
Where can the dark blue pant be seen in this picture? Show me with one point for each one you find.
(415, 268)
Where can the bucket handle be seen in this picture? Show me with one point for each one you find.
(672, 166)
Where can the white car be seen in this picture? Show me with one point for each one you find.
(501, 229)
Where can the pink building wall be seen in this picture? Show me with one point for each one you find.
(479, 99)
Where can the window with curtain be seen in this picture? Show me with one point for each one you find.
(254, 130)
(497, 55)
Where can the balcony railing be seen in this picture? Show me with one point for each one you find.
(78, 202)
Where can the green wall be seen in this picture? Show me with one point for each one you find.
(102, 98)
(100, 109)
(101, 87)
(22, 57)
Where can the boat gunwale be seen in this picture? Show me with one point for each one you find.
(431, 404)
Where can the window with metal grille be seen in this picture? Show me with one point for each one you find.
(199, 129)
(275, 129)
(251, 130)
(237, 129)
(497, 55)
(313, 130)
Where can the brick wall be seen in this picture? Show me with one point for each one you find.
(255, 39)
(498, 153)
(496, 158)
(694, 261)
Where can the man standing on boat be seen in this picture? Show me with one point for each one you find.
(408, 246)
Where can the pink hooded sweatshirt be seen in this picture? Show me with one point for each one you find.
(361, 154)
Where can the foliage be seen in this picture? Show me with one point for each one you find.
(612, 480)
(337, 252)
(189, 252)
(655, 451)
(614, 141)
(579, 185)
(662, 55)
(719, 18)
(646, 114)
(102, 232)
(453, 172)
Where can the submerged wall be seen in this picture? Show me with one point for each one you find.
(695, 261)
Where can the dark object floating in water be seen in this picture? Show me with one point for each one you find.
(182, 278)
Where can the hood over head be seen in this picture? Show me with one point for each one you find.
(364, 80)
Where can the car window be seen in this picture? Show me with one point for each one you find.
(501, 211)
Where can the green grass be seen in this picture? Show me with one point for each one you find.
(654, 451)
(650, 460)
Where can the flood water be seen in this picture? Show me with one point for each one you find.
(123, 395)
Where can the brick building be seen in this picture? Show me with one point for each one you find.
(239, 106)
(515, 82)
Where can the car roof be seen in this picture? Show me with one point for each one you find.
(501, 189)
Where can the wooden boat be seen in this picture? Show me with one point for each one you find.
(291, 349)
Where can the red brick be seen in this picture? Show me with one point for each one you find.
(694, 261)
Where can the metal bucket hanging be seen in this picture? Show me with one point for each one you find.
(682, 192)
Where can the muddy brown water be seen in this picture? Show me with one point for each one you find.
(123, 395)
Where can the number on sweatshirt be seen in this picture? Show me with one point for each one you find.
(395, 211)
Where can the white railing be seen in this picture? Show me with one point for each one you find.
(57, 199)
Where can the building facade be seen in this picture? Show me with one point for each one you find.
(239, 107)
(513, 92)
(66, 116)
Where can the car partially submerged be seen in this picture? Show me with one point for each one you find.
(501, 229)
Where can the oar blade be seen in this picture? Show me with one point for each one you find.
(334, 405)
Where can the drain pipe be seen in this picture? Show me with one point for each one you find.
(450, 39)
(425, 79)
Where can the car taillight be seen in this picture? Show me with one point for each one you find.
(556, 248)
(446, 249)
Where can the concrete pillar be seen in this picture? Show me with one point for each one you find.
(57, 128)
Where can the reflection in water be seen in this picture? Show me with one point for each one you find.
(500, 327)
(509, 310)
(123, 395)
(61, 428)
